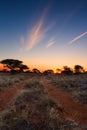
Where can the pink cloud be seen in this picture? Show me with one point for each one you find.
(51, 42)
(37, 33)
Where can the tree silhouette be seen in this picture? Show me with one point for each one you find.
(23, 68)
(14, 65)
(78, 69)
(46, 72)
(66, 70)
(11, 63)
(58, 70)
(36, 71)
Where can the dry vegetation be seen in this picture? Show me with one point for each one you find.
(8, 80)
(32, 109)
(75, 84)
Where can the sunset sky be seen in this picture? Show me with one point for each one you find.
(44, 34)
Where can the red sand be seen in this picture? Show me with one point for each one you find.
(71, 109)
(7, 95)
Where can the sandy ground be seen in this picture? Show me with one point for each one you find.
(69, 107)
(7, 95)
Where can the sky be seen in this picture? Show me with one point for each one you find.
(44, 34)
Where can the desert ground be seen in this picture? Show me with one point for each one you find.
(43, 102)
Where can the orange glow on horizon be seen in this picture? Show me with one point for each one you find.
(42, 68)
(1, 67)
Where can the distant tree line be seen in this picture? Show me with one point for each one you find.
(17, 66)
(78, 69)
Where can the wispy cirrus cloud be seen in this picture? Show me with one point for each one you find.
(77, 38)
(51, 42)
(37, 33)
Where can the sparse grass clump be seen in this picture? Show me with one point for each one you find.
(33, 84)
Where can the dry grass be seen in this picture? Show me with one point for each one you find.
(33, 110)
(76, 84)
(7, 80)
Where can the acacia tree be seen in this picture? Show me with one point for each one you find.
(13, 65)
(78, 69)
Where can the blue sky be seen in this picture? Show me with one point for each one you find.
(44, 33)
